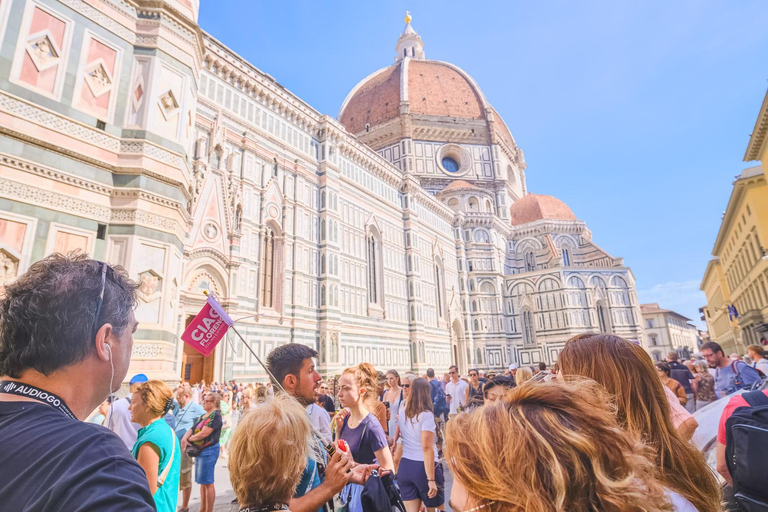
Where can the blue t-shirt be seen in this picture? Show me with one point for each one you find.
(725, 378)
(160, 434)
(186, 416)
(49, 462)
(365, 439)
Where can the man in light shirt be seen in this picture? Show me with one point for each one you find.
(319, 418)
(757, 355)
(455, 392)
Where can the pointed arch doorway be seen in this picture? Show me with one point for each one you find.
(458, 348)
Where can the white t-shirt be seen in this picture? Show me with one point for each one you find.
(411, 434)
(321, 420)
(762, 365)
(119, 421)
(680, 504)
(458, 394)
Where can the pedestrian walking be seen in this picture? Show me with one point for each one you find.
(663, 370)
(474, 393)
(455, 392)
(202, 442)
(65, 345)
(682, 374)
(704, 385)
(394, 397)
(420, 474)
(185, 413)
(157, 448)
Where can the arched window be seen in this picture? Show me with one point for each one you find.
(439, 288)
(453, 204)
(530, 261)
(405, 52)
(529, 335)
(322, 229)
(373, 269)
(322, 295)
(603, 321)
(322, 199)
(268, 269)
(566, 257)
(322, 263)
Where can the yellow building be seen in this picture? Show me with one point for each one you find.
(736, 279)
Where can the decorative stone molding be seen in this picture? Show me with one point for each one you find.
(152, 151)
(52, 200)
(133, 216)
(54, 174)
(48, 119)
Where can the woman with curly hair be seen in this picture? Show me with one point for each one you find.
(559, 460)
(157, 448)
(626, 371)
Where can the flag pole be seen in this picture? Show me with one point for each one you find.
(232, 327)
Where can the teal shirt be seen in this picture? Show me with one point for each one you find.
(160, 434)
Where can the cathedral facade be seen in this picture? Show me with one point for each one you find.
(400, 233)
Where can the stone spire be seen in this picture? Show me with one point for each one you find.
(409, 43)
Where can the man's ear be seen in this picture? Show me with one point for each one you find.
(290, 382)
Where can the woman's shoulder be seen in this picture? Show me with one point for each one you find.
(679, 503)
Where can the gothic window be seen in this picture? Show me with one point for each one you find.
(529, 335)
(439, 288)
(322, 295)
(373, 269)
(602, 318)
(322, 229)
(268, 269)
(530, 261)
(566, 257)
(322, 264)
(322, 200)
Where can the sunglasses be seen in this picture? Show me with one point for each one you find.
(406, 386)
(96, 325)
(452, 373)
(473, 375)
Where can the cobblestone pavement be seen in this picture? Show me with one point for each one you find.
(225, 494)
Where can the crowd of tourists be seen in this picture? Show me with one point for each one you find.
(605, 429)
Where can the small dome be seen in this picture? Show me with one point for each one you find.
(535, 207)
(459, 185)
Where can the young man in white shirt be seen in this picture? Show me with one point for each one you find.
(757, 355)
(455, 392)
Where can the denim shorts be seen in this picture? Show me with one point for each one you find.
(205, 464)
(412, 480)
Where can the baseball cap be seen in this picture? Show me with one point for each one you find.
(512, 366)
(139, 377)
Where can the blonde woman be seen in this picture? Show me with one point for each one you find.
(397, 440)
(559, 460)
(265, 474)
(359, 427)
(524, 374)
(157, 448)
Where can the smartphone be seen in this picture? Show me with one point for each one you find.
(386, 404)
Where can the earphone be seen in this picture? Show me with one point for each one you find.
(110, 352)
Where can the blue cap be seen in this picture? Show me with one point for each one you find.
(139, 377)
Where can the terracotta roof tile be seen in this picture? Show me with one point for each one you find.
(535, 207)
(375, 102)
(436, 89)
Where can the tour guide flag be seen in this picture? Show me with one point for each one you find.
(208, 327)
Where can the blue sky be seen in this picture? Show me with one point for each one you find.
(636, 114)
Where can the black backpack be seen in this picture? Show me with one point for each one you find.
(746, 451)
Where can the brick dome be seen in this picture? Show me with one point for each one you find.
(535, 207)
(431, 88)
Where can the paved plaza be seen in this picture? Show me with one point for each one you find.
(225, 494)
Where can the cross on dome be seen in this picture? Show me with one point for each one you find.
(409, 44)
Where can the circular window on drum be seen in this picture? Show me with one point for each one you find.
(450, 164)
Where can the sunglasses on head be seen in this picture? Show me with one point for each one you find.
(96, 325)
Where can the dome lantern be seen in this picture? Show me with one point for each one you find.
(409, 43)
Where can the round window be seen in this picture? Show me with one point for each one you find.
(450, 164)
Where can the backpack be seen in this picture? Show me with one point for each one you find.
(746, 451)
(439, 404)
(737, 380)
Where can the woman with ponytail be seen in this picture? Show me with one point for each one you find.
(157, 448)
(359, 427)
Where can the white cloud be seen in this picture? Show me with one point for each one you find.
(683, 297)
